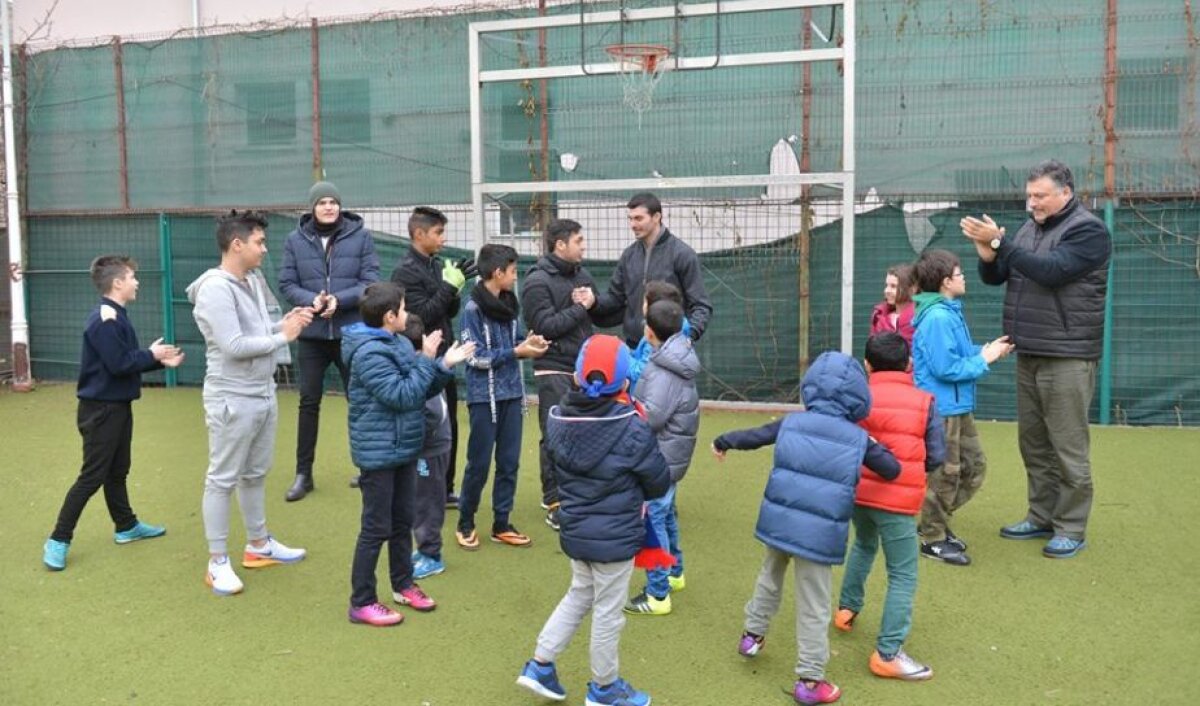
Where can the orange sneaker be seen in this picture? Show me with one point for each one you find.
(510, 536)
(843, 619)
(899, 667)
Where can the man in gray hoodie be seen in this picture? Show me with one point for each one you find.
(239, 395)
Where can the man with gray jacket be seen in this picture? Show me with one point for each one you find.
(1056, 270)
(239, 396)
(667, 394)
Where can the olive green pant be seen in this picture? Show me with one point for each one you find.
(1053, 397)
(954, 482)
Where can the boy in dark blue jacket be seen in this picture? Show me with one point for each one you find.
(389, 384)
(495, 395)
(607, 463)
(110, 379)
(806, 509)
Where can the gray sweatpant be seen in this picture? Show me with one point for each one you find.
(241, 447)
(813, 610)
(601, 589)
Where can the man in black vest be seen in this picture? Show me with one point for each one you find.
(1056, 269)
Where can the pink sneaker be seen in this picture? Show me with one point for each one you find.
(816, 692)
(750, 644)
(415, 598)
(376, 614)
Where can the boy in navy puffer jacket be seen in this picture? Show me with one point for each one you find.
(607, 463)
(389, 384)
(806, 509)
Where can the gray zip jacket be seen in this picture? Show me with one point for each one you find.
(667, 391)
(239, 337)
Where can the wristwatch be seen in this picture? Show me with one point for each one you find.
(995, 243)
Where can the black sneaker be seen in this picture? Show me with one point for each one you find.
(354, 481)
(956, 541)
(451, 501)
(552, 517)
(945, 551)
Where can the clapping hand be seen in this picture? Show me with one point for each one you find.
(430, 344)
(468, 267)
(457, 353)
(997, 349)
(534, 346)
(163, 351)
(584, 296)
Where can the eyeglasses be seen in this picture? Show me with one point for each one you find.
(958, 274)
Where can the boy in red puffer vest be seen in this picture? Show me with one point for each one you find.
(905, 420)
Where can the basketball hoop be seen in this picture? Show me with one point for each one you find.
(640, 67)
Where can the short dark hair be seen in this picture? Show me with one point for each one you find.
(657, 290)
(494, 257)
(107, 269)
(424, 218)
(903, 272)
(665, 319)
(378, 299)
(887, 351)
(1056, 171)
(647, 200)
(238, 225)
(559, 229)
(414, 330)
(934, 266)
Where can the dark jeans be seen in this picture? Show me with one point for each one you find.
(503, 435)
(452, 412)
(387, 516)
(551, 389)
(431, 505)
(314, 357)
(107, 431)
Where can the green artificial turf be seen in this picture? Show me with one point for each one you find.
(135, 624)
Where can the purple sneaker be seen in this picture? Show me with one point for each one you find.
(816, 692)
(375, 614)
(751, 644)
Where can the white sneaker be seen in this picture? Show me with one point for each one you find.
(221, 578)
(271, 553)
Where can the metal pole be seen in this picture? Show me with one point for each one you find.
(168, 289)
(1110, 101)
(848, 186)
(318, 168)
(22, 379)
(1110, 222)
(476, 139)
(122, 143)
(804, 273)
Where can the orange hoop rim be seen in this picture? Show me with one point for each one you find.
(644, 56)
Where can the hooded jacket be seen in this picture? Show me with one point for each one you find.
(881, 321)
(549, 312)
(344, 269)
(668, 260)
(389, 384)
(240, 339)
(945, 361)
(494, 371)
(607, 464)
(668, 395)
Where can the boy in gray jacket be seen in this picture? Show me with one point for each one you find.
(239, 396)
(667, 393)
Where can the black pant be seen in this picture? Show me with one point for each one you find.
(430, 512)
(107, 431)
(314, 358)
(504, 436)
(452, 412)
(550, 391)
(388, 504)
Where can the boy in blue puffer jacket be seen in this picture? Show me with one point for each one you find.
(806, 509)
(946, 364)
(389, 384)
(607, 463)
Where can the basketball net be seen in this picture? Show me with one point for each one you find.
(640, 67)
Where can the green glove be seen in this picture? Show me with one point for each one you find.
(453, 276)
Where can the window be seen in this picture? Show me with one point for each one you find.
(1148, 92)
(346, 112)
(270, 112)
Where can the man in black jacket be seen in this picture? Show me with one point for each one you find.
(547, 301)
(431, 291)
(1056, 269)
(657, 255)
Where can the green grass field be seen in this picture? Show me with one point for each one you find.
(136, 625)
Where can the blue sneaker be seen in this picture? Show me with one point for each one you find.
(619, 693)
(542, 679)
(1060, 547)
(54, 554)
(1024, 530)
(139, 531)
(425, 566)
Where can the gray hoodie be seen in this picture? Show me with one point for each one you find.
(240, 339)
(667, 391)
